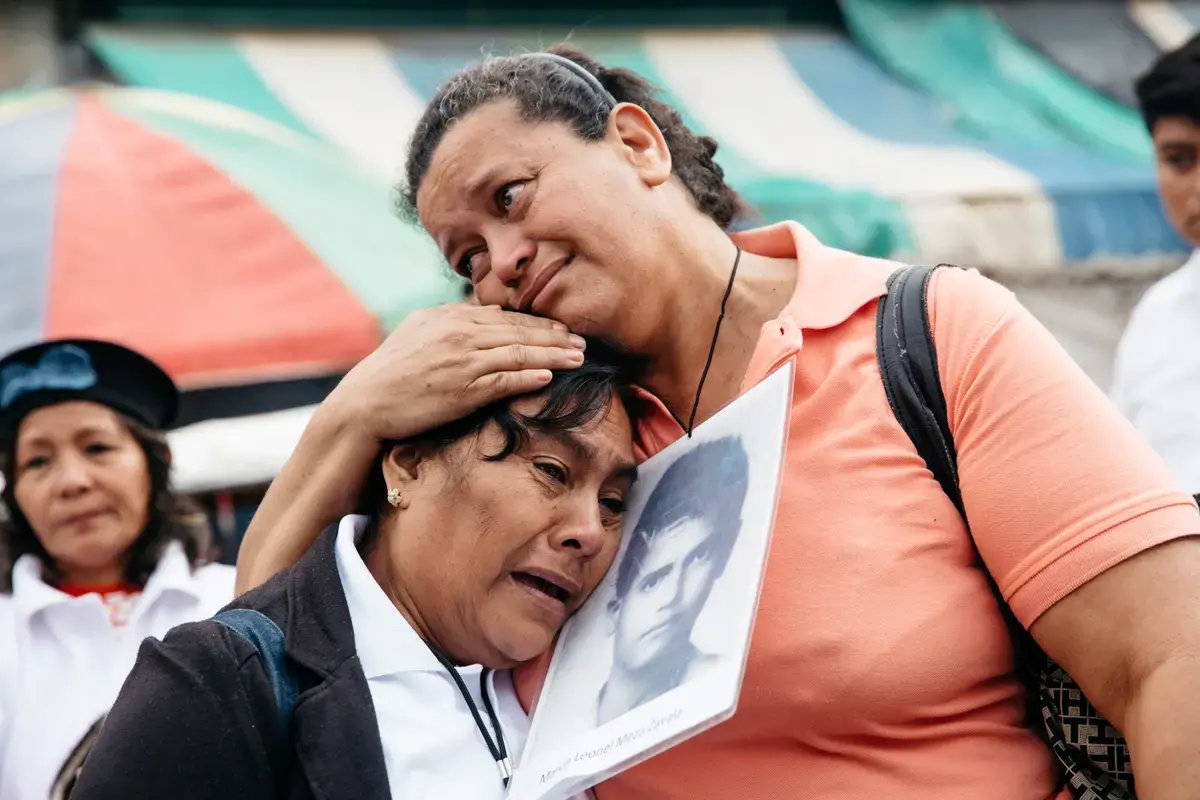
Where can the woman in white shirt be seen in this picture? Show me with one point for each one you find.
(397, 629)
(96, 551)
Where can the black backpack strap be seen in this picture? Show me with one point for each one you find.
(267, 638)
(909, 368)
(908, 364)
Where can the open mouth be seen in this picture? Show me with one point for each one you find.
(543, 586)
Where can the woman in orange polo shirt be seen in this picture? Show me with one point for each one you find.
(880, 666)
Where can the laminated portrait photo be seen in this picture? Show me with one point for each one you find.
(657, 654)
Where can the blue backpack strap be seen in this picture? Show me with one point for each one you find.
(267, 638)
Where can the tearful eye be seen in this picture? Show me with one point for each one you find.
(466, 264)
(613, 505)
(553, 471)
(507, 196)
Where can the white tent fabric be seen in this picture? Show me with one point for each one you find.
(227, 453)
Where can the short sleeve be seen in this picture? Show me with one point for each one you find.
(1057, 484)
(186, 724)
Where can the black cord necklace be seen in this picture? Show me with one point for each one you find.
(712, 348)
(495, 747)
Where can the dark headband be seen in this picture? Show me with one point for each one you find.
(591, 80)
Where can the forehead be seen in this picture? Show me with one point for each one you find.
(63, 421)
(486, 145)
(1175, 131)
(675, 541)
(606, 441)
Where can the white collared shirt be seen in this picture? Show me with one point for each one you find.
(431, 744)
(1156, 376)
(62, 662)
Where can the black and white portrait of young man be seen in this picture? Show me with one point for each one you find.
(676, 553)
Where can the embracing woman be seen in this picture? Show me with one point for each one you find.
(881, 664)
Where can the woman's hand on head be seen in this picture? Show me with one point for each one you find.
(443, 363)
(439, 365)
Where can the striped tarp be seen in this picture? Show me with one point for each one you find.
(931, 131)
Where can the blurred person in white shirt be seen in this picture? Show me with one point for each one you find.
(1156, 381)
(96, 550)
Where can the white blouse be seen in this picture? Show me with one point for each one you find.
(1156, 376)
(431, 745)
(62, 661)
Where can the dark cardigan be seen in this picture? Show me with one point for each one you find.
(197, 719)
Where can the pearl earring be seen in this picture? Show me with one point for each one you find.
(393, 497)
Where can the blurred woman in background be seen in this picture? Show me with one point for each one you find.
(96, 551)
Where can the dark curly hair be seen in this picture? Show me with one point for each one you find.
(547, 91)
(573, 399)
(172, 517)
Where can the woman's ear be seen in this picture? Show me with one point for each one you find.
(402, 469)
(642, 143)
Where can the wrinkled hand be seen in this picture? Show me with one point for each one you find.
(442, 363)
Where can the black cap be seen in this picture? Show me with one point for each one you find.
(63, 370)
